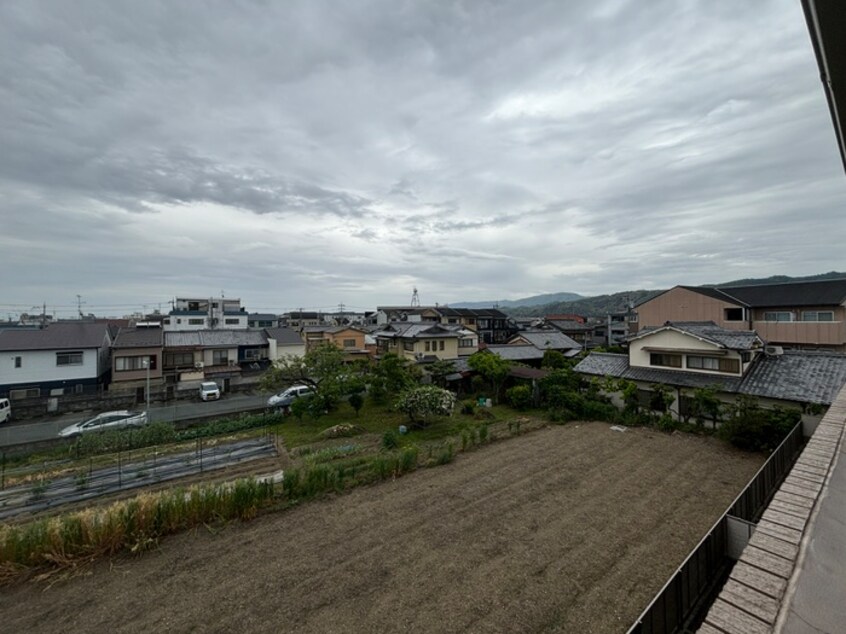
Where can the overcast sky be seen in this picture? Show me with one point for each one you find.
(304, 154)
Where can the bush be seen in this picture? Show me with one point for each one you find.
(478, 384)
(520, 397)
(753, 428)
(389, 440)
(421, 404)
(468, 407)
(356, 401)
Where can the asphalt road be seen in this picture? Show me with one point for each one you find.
(15, 433)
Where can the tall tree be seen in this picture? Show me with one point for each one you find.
(493, 367)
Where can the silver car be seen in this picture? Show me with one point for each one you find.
(120, 419)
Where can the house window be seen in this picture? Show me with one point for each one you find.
(408, 345)
(18, 362)
(166, 322)
(28, 392)
(78, 388)
(129, 364)
(441, 345)
(178, 321)
(817, 315)
(195, 322)
(349, 343)
(220, 357)
(665, 360)
(465, 343)
(781, 315)
(452, 320)
(428, 346)
(178, 359)
(68, 358)
(733, 314)
(471, 322)
(715, 364)
(484, 323)
(252, 353)
(233, 322)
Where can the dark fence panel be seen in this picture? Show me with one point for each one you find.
(693, 583)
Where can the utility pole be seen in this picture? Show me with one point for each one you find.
(79, 304)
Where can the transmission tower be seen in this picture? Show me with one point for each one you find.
(415, 298)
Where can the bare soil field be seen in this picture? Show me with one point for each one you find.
(566, 529)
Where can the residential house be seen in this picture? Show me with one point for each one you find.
(794, 315)
(690, 355)
(284, 342)
(348, 338)
(415, 314)
(137, 355)
(426, 341)
(299, 319)
(202, 314)
(220, 355)
(69, 357)
(574, 326)
(492, 325)
(262, 320)
(529, 346)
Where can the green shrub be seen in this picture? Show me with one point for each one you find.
(390, 440)
(520, 397)
(356, 401)
(468, 407)
(753, 428)
(478, 384)
(422, 404)
(446, 454)
(666, 422)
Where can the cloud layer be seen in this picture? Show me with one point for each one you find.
(311, 153)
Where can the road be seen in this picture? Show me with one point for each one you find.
(15, 433)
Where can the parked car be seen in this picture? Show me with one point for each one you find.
(286, 397)
(209, 391)
(5, 410)
(107, 420)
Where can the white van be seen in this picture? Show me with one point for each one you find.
(5, 410)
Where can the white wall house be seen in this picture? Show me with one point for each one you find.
(206, 313)
(64, 358)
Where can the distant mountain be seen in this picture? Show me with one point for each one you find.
(601, 305)
(535, 300)
(598, 306)
(781, 279)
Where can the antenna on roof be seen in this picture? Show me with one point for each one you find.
(415, 298)
(79, 304)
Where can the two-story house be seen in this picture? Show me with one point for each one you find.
(795, 315)
(690, 355)
(350, 339)
(137, 355)
(492, 325)
(426, 341)
(66, 357)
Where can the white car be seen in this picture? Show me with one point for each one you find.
(5, 410)
(209, 391)
(286, 397)
(120, 419)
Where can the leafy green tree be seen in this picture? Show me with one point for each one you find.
(322, 368)
(422, 404)
(554, 360)
(440, 370)
(520, 397)
(491, 366)
(705, 406)
(391, 376)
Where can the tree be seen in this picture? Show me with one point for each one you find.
(440, 370)
(322, 368)
(491, 366)
(553, 360)
(705, 405)
(356, 401)
(392, 375)
(520, 397)
(423, 403)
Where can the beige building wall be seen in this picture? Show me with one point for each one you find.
(680, 304)
(673, 342)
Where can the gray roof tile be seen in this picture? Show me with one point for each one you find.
(59, 336)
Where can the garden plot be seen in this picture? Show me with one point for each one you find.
(570, 529)
(84, 485)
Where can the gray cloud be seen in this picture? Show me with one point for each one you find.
(308, 153)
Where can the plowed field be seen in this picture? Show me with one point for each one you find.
(566, 529)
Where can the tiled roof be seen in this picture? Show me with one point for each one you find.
(709, 331)
(802, 377)
(807, 377)
(548, 339)
(59, 336)
(214, 338)
(138, 338)
(516, 352)
(284, 336)
(569, 324)
(819, 293)
(484, 313)
(412, 330)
